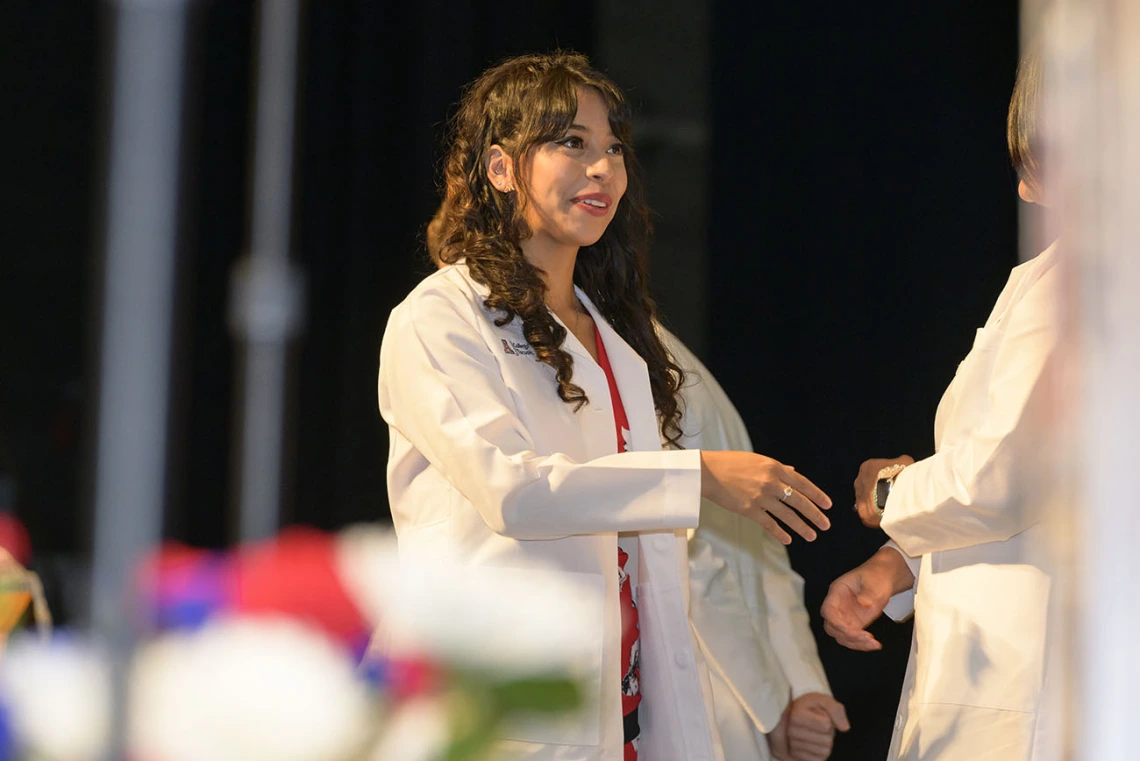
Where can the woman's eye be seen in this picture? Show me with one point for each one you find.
(617, 149)
(573, 141)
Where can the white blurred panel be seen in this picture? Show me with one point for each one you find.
(1092, 154)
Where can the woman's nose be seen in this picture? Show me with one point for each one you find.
(600, 170)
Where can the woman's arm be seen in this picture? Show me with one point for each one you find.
(442, 389)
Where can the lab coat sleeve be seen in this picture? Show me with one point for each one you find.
(968, 494)
(901, 606)
(442, 389)
(788, 622)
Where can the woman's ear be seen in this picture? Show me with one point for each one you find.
(1028, 192)
(500, 169)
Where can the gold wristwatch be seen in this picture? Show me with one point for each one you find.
(884, 485)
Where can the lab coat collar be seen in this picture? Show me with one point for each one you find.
(1040, 264)
(630, 371)
(571, 344)
(1021, 278)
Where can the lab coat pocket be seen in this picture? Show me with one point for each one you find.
(983, 627)
(985, 339)
(967, 733)
(583, 726)
(949, 402)
(966, 401)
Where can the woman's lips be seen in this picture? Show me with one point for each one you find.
(595, 204)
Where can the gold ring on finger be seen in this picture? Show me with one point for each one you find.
(787, 494)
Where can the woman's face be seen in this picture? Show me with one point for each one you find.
(575, 182)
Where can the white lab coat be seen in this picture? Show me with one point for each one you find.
(978, 673)
(488, 465)
(747, 602)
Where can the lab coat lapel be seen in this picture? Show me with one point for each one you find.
(582, 357)
(632, 377)
(571, 344)
(1022, 278)
(630, 373)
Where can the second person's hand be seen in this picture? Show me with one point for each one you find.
(858, 597)
(812, 722)
(865, 484)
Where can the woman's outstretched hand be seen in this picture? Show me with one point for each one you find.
(762, 489)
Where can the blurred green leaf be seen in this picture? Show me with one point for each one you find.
(541, 695)
(473, 744)
(485, 702)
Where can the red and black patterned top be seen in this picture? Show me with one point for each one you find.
(630, 632)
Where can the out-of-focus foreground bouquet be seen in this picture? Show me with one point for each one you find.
(311, 647)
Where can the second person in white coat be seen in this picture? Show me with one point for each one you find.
(969, 553)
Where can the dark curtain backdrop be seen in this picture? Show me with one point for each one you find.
(378, 80)
(46, 147)
(861, 220)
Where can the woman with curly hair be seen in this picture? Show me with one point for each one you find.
(528, 396)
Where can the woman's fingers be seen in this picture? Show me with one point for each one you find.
(769, 524)
(806, 507)
(806, 488)
(790, 518)
(760, 487)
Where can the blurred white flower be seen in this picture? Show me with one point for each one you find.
(247, 690)
(417, 731)
(59, 695)
(366, 556)
(519, 620)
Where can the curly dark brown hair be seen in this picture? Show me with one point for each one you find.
(519, 104)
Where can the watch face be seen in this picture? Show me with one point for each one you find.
(882, 491)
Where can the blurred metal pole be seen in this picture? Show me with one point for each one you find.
(267, 292)
(141, 228)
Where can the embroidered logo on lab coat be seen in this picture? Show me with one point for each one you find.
(517, 347)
